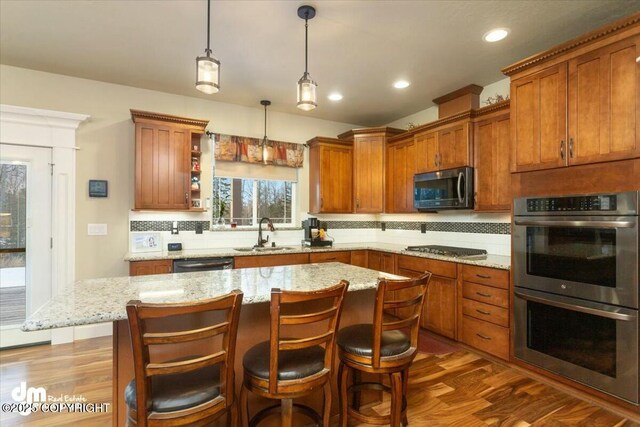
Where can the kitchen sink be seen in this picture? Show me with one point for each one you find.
(264, 249)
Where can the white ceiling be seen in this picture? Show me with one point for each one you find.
(355, 47)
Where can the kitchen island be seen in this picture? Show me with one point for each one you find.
(104, 300)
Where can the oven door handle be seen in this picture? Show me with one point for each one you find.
(581, 309)
(564, 223)
(460, 178)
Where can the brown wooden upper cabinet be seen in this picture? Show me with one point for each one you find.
(368, 167)
(444, 148)
(330, 175)
(578, 103)
(491, 158)
(163, 152)
(400, 168)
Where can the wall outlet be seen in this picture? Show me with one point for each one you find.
(174, 227)
(97, 229)
(383, 226)
(423, 228)
(198, 228)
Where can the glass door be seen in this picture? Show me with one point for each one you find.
(25, 240)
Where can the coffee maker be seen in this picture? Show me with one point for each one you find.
(312, 238)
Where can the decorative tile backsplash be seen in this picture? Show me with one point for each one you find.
(450, 227)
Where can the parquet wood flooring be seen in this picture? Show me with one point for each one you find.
(457, 389)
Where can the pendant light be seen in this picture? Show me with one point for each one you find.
(208, 67)
(306, 87)
(265, 140)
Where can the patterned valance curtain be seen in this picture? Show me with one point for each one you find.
(233, 148)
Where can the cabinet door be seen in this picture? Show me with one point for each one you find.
(491, 151)
(404, 167)
(604, 93)
(439, 313)
(368, 171)
(426, 152)
(359, 258)
(453, 147)
(374, 261)
(336, 183)
(143, 268)
(539, 120)
(162, 167)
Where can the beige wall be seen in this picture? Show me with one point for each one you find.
(501, 87)
(106, 146)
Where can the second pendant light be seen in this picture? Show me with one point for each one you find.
(265, 140)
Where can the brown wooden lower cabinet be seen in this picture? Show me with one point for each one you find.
(382, 261)
(360, 258)
(270, 260)
(484, 309)
(143, 268)
(439, 313)
(337, 256)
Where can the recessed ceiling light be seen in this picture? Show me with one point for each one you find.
(401, 84)
(335, 96)
(495, 35)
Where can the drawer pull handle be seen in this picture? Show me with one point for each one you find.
(482, 276)
(486, 313)
(483, 295)
(331, 259)
(484, 337)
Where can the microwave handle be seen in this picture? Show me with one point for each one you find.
(563, 223)
(581, 309)
(460, 179)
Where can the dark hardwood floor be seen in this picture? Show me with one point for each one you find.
(451, 387)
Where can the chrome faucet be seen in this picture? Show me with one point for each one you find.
(261, 242)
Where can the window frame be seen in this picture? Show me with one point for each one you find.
(254, 203)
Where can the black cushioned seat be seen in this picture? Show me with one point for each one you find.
(358, 340)
(293, 364)
(179, 391)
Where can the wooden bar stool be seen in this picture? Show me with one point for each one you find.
(192, 390)
(287, 368)
(383, 347)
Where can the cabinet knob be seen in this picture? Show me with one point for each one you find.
(186, 197)
(435, 159)
(562, 149)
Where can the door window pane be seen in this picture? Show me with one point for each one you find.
(13, 230)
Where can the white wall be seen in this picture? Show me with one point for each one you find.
(106, 148)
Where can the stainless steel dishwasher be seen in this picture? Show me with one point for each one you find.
(187, 265)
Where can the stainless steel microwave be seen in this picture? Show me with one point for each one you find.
(447, 189)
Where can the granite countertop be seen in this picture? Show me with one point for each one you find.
(493, 261)
(104, 300)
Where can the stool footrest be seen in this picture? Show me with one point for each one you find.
(276, 409)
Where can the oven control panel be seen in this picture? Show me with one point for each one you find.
(572, 204)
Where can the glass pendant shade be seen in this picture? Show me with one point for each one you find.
(307, 100)
(207, 74)
(265, 150)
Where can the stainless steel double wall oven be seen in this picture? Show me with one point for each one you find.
(575, 273)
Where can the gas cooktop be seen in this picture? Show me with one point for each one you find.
(447, 250)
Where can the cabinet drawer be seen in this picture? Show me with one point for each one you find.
(143, 268)
(485, 336)
(342, 256)
(438, 268)
(489, 313)
(486, 276)
(485, 294)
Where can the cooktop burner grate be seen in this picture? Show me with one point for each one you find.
(447, 250)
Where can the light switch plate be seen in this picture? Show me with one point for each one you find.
(97, 229)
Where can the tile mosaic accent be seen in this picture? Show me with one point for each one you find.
(166, 225)
(451, 227)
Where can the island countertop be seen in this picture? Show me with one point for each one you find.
(492, 261)
(104, 300)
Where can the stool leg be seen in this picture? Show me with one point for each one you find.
(343, 375)
(287, 412)
(244, 406)
(396, 399)
(356, 394)
(326, 410)
(405, 385)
